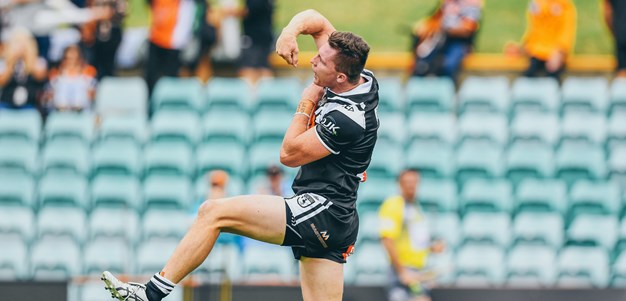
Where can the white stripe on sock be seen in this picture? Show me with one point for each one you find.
(166, 287)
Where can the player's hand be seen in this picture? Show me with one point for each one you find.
(287, 48)
(438, 246)
(409, 277)
(313, 92)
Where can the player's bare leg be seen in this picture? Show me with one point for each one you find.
(321, 279)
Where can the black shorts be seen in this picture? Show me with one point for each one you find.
(255, 56)
(313, 231)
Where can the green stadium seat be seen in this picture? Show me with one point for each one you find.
(621, 237)
(430, 94)
(271, 126)
(617, 129)
(433, 160)
(439, 127)
(583, 267)
(486, 196)
(595, 198)
(538, 228)
(13, 259)
(118, 191)
(262, 155)
(437, 195)
(483, 127)
(480, 266)
(491, 228)
(228, 156)
(593, 230)
(107, 255)
(392, 128)
(531, 266)
(122, 96)
(387, 160)
(617, 96)
(117, 224)
(257, 266)
(619, 272)
(443, 266)
(226, 126)
(277, 94)
(584, 126)
(390, 95)
(484, 94)
(62, 189)
(173, 93)
(227, 93)
(18, 221)
(62, 222)
(55, 259)
(17, 189)
(479, 160)
(161, 191)
(375, 190)
(133, 128)
(535, 95)
(369, 227)
(223, 262)
(585, 94)
(65, 156)
(165, 223)
(536, 127)
(176, 127)
(22, 124)
(617, 163)
(151, 254)
(577, 161)
(116, 157)
(371, 265)
(541, 195)
(445, 226)
(168, 159)
(68, 125)
(19, 156)
(529, 160)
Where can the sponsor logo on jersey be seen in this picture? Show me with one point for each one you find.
(330, 125)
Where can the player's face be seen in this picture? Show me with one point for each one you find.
(323, 64)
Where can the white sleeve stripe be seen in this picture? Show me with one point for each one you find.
(324, 144)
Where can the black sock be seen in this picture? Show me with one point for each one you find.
(153, 292)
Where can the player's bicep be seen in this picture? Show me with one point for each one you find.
(308, 148)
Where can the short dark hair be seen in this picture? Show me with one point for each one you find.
(352, 53)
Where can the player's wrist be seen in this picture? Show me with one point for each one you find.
(305, 107)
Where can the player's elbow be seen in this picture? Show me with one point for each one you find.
(287, 159)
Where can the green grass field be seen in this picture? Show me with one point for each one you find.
(386, 24)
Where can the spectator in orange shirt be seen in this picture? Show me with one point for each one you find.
(549, 36)
(72, 85)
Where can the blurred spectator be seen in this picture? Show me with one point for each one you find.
(72, 85)
(197, 56)
(446, 37)
(549, 37)
(102, 38)
(217, 181)
(276, 183)
(23, 74)
(405, 236)
(170, 31)
(258, 39)
(615, 18)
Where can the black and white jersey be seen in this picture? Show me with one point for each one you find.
(346, 124)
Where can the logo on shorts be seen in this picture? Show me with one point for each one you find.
(325, 235)
(319, 236)
(305, 200)
(348, 252)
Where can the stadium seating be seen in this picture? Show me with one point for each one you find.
(539, 228)
(618, 96)
(107, 255)
(369, 227)
(173, 126)
(578, 161)
(167, 192)
(487, 228)
(390, 95)
(433, 160)
(17, 221)
(152, 254)
(427, 94)
(122, 96)
(60, 189)
(234, 187)
(593, 230)
(62, 221)
(583, 267)
(165, 223)
(277, 94)
(116, 157)
(61, 156)
(114, 224)
(583, 126)
(17, 189)
(486, 196)
(173, 93)
(392, 128)
(371, 265)
(233, 94)
(480, 126)
(541, 195)
(115, 191)
(534, 95)
(538, 126)
(437, 195)
(375, 190)
(595, 198)
(619, 271)
(168, 158)
(55, 259)
(617, 164)
(438, 127)
(223, 263)
(484, 94)
(480, 266)
(18, 156)
(22, 124)
(257, 266)
(270, 126)
(226, 126)
(478, 160)
(531, 266)
(131, 128)
(227, 156)
(585, 94)
(445, 226)
(617, 129)
(387, 161)
(529, 160)
(67, 125)
(13, 259)
(261, 155)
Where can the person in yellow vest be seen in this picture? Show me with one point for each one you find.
(405, 236)
(549, 37)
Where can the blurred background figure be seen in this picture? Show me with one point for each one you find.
(170, 31)
(102, 38)
(405, 236)
(549, 37)
(197, 56)
(23, 74)
(615, 18)
(217, 180)
(72, 85)
(276, 184)
(442, 40)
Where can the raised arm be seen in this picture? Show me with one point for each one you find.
(308, 22)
